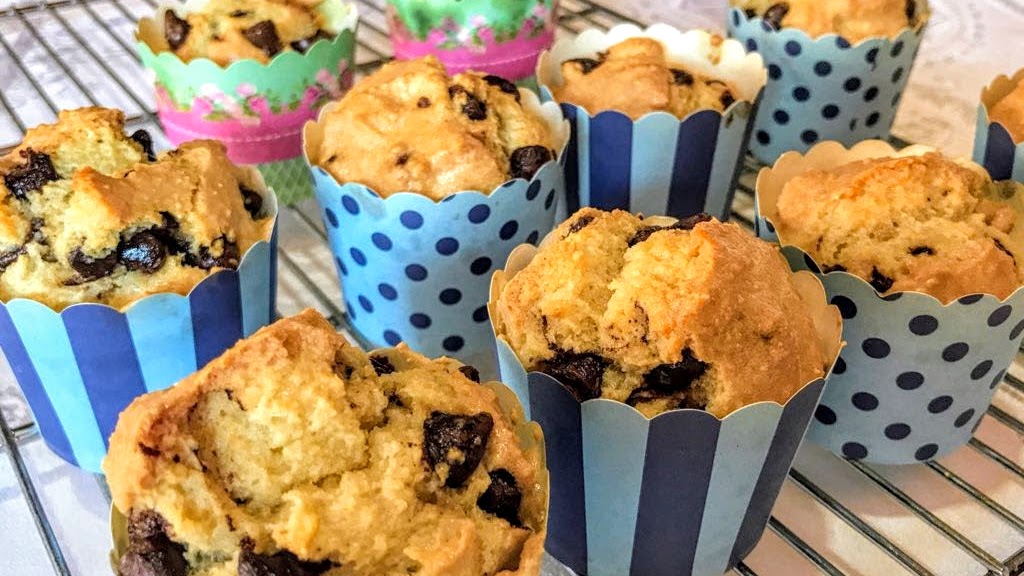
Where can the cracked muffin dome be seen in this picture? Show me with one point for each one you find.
(410, 128)
(635, 77)
(854, 20)
(295, 453)
(88, 214)
(228, 30)
(697, 314)
(1009, 111)
(913, 223)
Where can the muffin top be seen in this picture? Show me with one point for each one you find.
(854, 20)
(914, 223)
(296, 453)
(1009, 111)
(88, 214)
(635, 78)
(228, 30)
(410, 128)
(698, 314)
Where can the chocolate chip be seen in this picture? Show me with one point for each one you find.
(32, 175)
(684, 224)
(252, 200)
(910, 9)
(170, 234)
(581, 374)
(402, 159)
(143, 252)
(423, 102)
(775, 13)
(301, 46)
(90, 268)
(503, 497)
(879, 281)
(470, 372)
(585, 65)
(10, 257)
(206, 260)
(149, 450)
(833, 268)
(239, 13)
(395, 400)
(682, 77)
(175, 29)
(504, 85)
(150, 550)
(1004, 249)
(473, 108)
(457, 440)
(282, 563)
(918, 250)
(142, 138)
(726, 99)
(524, 162)
(263, 35)
(677, 377)
(381, 365)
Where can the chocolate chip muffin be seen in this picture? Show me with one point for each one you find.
(228, 30)
(410, 128)
(913, 223)
(695, 314)
(635, 77)
(295, 453)
(854, 20)
(89, 214)
(1009, 111)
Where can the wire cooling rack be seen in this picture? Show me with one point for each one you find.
(960, 516)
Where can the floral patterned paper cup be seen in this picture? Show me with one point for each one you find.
(918, 375)
(502, 38)
(257, 110)
(994, 148)
(659, 164)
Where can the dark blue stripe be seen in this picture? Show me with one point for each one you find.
(42, 410)
(105, 354)
(559, 415)
(695, 156)
(789, 434)
(273, 274)
(611, 151)
(216, 315)
(999, 152)
(677, 472)
(572, 162)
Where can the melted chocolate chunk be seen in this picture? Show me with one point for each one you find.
(911, 11)
(586, 65)
(143, 252)
(381, 365)
(10, 257)
(833, 268)
(775, 13)
(89, 268)
(263, 35)
(206, 260)
(282, 563)
(142, 138)
(457, 440)
(402, 159)
(423, 102)
(677, 377)
(879, 281)
(170, 235)
(252, 201)
(504, 85)
(473, 108)
(918, 250)
(175, 29)
(503, 497)
(150, 551)
(526, 161)
(301, 46)
(685, 224)
(682, 77)
(1005, 250)
(581, 374)
(30, 176)
(726, 99)
(470, 372)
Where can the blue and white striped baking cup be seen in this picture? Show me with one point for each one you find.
(993, 147)
(81, 367)
(825, 88)
(917, 376)
(417, 270)
(659, 164)
(683, 493)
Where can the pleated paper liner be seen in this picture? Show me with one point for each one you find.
(917, 375)
(257, 110)
(417, 270)
(994, 148)
(681, 493)
(826, 88)
(659, 164)
(79, 368)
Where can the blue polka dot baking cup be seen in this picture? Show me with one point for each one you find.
(683, 493)
(416, 270)
(994, 148)
(658, 164)
(825, 88)
(916, 376)
(79, 368)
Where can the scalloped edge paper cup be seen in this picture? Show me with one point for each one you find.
(464, 41)
(416, 270)
(681, 493)
(659, 164)
(826, 88)
(79, 368)
(994, 148)
(257, 110)
(918, 375)
(531, 439)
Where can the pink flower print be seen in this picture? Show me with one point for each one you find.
(345, 80)
(478, 21)
(540, 10)
(324, 77)
(310, 96)
(249, 120)
(210, 91)
(259, 105)
(436, 37)
(245, 90)
(342, 66)
(234, 110)
(201, 106)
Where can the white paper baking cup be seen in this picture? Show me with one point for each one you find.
(993, 147)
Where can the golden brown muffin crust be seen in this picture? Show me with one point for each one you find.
(854, 20)
(1009, 111)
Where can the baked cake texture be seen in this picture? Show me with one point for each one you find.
(854, 20)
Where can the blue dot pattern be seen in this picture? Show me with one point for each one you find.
(829, 89)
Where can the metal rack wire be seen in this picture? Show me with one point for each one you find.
(69, 53)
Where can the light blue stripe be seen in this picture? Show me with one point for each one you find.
(980, 135)
(614, 441)
(255, 289)
(727, 150)
(161, 328)
(742, 448)
(654, 154)
(46, 341)
(514, 375)
(1018, 163)
(583, 154)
